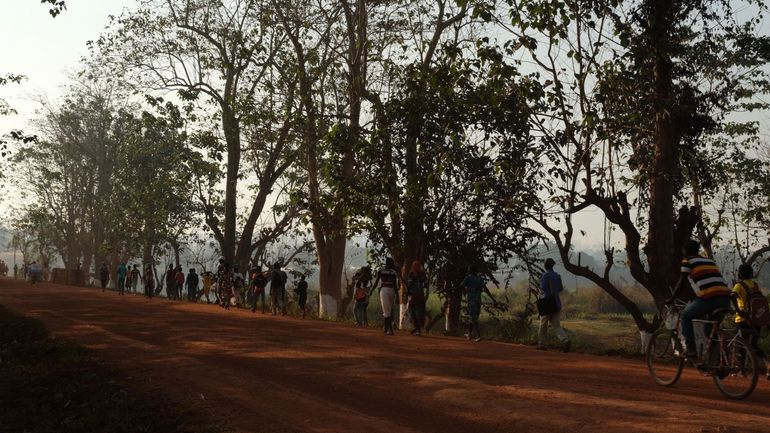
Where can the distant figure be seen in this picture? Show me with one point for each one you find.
(474, 287)
(257, 285)
(179, 280)
(551, 286)
(208, 280)
(416, 286)
(171, 282)
(149, 281)
(277, 289)
(192, 285)
(121, 275)
(104, 275)
(239, 284)
(127, 285)
(15, 271)
(388, 279)
(225, 285)
(135, 277)
(301, 292)
(362, 301)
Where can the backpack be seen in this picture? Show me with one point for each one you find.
(757, 307)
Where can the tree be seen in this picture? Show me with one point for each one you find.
(650, 82)
(224, 54)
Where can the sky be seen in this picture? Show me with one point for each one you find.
(45, 49)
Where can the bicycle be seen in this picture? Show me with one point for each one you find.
(723, 353)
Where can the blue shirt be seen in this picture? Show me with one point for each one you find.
(550, 285)
(474, 285)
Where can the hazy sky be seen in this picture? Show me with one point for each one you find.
(44, 49)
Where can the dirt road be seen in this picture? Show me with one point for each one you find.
(275, 374)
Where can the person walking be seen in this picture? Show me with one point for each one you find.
(171, 282)
(121, 272)
(362, 301)
(549, 306)
(388, 279)
(301, 292)
(135, 277)
(149, 281)
(239, 284)
(278, 289)
(474, 287)
(179, 279)
(225, 285)
(192, 285)
(104, 275)
(15, 270)
(207, 280)
(257, 285)
(416, 288)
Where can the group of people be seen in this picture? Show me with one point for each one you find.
(4, 269)
(228, 285)
(703, 276)
(28, 271)
(231, 287)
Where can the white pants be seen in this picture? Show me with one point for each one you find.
(386, 300)
(555, 320)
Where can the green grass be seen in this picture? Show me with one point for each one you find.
(49, 384)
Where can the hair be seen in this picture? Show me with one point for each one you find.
(302, 278)
(472, 269)
(550, 263)
(192, 270)
(277, 265)
(416, 267)
(745, 271)
(389, 262)
(691, 247)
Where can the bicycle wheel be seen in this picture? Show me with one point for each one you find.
(663, 357)
(738, 377)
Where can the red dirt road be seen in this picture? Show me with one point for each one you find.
(275, 374)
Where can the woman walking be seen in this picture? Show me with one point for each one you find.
(416, 288)
(225, 286)
(388, 277)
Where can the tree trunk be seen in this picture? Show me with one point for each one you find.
(661, 252)
(233, 139)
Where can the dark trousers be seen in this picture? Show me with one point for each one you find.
(359, 310)
(121, 285)
(259, 294)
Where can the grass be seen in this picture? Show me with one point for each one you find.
(49, 384)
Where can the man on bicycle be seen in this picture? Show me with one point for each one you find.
(709, 287)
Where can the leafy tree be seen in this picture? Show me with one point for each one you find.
(633, 96)
(223, 55)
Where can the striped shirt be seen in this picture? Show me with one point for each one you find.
(705, 278)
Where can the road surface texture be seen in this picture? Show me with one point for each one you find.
(278, 374)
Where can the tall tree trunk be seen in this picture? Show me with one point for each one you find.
(231, 128)
(661, 251)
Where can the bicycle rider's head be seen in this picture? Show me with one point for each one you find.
(691, 248)
(745, 272)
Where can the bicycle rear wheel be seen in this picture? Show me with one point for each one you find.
(738, 377)
(664, 358)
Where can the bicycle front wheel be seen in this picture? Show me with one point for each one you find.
(664, 357)
(738, 375)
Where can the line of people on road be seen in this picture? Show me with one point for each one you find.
(228, 285)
